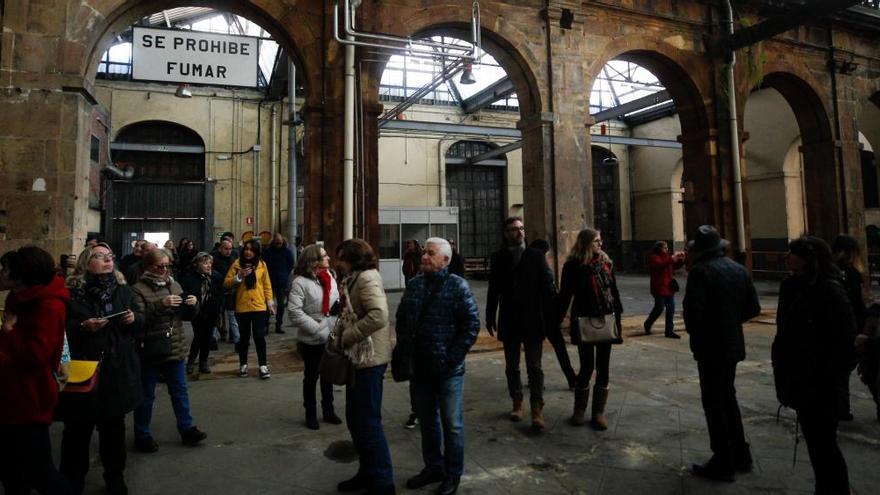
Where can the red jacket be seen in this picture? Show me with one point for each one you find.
(662, 269)
(31, 352)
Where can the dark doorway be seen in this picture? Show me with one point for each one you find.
(605, 203)
(477, 189)
(164, 190)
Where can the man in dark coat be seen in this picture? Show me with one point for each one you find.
(720, 296)
(456, 264)
(438, 319)
(521, 297)
(279, 260)
(223, 259)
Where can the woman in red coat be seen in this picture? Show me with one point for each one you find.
(662, 266)
(31, 338)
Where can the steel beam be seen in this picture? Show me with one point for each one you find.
(783, 22)
(500, 89)
(632, 106)
(157, 148)
(493, 153)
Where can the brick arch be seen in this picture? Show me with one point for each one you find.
(687, 77)
(823, 198)
(98, 25)
(501, 39)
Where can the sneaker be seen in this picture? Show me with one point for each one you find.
(412, 422)
(192, 436)
(242, 370)
(146, 445)
(264, 372)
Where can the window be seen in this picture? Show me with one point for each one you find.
(389, 241)
(95, 150)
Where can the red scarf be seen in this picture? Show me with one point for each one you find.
(326, 284)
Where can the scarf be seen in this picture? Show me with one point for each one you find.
(100, 286)
(600, 267)
(326, 285)
(156, 280)
(206, 288)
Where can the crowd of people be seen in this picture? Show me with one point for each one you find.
(127, 314)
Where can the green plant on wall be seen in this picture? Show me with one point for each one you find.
(754, 58)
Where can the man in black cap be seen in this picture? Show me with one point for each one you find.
(719, 297)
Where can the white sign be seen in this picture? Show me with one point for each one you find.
(168, 55)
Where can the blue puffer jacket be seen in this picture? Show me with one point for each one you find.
(448, 329)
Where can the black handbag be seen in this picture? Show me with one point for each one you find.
(156, 348)
(673, 286)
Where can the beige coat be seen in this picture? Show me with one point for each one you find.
(371, 306)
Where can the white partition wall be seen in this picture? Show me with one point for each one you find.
(400, 224)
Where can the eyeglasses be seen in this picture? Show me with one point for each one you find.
(161, 267)
(597, 241)
(103, 256)
(514, 229)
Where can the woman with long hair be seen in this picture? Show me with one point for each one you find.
(163, 349)
(812, 350)
(31, 340)
(186, 251)
(206, 284)
(848, 257)
(249, 277)
(102, 321)
(362, 284)
(313, 293)
(588, 278)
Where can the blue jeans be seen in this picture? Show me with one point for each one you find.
(661, 302)
(175, 378)
(363, 413)
(439, 403)
(234, 335)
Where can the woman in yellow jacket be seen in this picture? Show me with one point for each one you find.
(249, 277)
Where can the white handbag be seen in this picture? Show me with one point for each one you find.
(598, 329)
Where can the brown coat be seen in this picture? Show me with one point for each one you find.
(371, 306)
(159, 318)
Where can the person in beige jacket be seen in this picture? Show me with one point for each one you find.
(363, 398)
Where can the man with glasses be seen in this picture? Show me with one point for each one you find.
(521, 296)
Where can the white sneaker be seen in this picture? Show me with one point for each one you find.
(264, 372)
(242, 370)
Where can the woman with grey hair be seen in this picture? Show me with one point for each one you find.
(202, 281)
(313, 294)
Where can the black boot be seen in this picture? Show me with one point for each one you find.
(330, 414)
(312, 417)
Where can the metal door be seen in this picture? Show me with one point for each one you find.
(478, 192)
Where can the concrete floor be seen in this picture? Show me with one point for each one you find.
(257, 441)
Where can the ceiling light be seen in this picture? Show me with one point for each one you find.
(467, 74)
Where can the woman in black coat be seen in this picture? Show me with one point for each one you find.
(588, 278)
(200, 280)
(98, 290)
(813, 348)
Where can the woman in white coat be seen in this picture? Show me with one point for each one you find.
(313, 294)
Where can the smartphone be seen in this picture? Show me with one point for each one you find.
(114, 315)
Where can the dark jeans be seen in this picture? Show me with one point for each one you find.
(661, 303)
(439, 403)
(559, 348)
(175, 378)
(533, 369)
(363, 413)
(203, 331)
(26, 461)
(723, 419)
(280, 296)
(311, 355)
(593, 355)
(253, 322)
(819, 425)
(76, 441)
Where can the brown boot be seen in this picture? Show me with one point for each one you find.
(538, 416)
(516, 415)
(581, 397)
(600, 398)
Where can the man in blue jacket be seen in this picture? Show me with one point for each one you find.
(279, 260)
(438, 319)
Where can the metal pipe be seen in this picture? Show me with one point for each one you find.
(349, 41)
(348, 144)
(291, 155)
(350, 31)
(274, 159)
(734, 141)
(256, 189)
